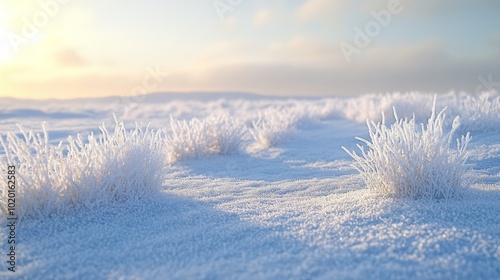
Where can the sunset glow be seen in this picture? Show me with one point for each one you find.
(65, 49)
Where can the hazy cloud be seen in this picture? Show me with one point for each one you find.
(69, 58)
(306, 49)
(424, 67)
(435, 9)
(312, 9)
(93, 48)
(496, 40)
(264, 17)
(85, 85)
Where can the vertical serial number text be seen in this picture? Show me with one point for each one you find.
(11, 217)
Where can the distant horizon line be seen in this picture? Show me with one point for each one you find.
(225, 94)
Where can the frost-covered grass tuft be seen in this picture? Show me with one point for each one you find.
(273, 127)
(83, 173)
(407, 160)
(196, 138)
(368, 107)
(480, 112)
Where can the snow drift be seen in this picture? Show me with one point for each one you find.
(298, 211)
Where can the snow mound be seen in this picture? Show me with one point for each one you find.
(197, 138)
(405, 160)
(83, 173)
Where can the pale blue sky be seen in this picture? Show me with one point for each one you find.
(100, 48)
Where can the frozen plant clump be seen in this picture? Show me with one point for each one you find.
(368, 106)
(83, 173)
(273, 127)
(412, 161)
(481, 112)
(197, 138)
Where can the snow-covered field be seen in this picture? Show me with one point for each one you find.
(250, 188)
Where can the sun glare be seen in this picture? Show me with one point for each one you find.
(6, 51)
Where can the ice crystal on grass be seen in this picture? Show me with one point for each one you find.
(83, 172)
(273, 126)
(481, 112)
(408, 160)
(196, 138)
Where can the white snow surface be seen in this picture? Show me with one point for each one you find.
(289, 209)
